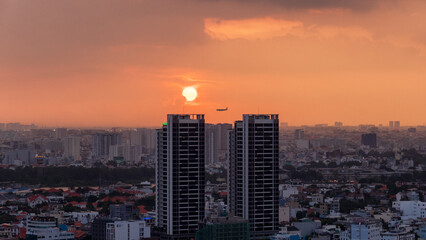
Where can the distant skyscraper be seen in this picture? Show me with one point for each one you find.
(61, 133)
(19, 157)
(369, 139)
(102, 142)
(338, 124)
(216, 141)
(180, 176)
(72, 148)
(253, 173)
(397, 124)
(412, 130)
(284, 124)
(130, 154)
(144, 137)
(391, 124)
(299, 134)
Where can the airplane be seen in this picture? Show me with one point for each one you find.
(222, 109)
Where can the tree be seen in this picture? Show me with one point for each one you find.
(346, 205)
(105, 210)
(92, 198)
(90, 206)
(147, 202)
(300, 214)
(69, 208)
(6, 218)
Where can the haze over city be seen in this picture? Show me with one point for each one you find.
(113, 63)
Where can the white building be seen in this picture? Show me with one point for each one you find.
(72, 148)
(35, 200)
(284, 214)
(362, 231)
(411, 209)
(46, 228)
(84, 217)
(398, 236)
(127, 230)
(287, 191)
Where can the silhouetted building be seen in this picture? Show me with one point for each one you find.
(338, 124)
(397, 124)
(253, 173)
(180, 176)
(61, 133)
(299, 134)
(391, 124)
(412, 130)
(369, 139)
(98, 230)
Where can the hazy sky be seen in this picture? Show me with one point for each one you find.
(125, 63)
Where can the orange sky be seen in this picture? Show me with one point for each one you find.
(124, 63)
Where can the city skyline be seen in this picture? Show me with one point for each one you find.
(30, 125)
(106, 63)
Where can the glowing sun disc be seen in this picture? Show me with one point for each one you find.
(190, 93)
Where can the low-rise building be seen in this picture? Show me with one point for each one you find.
(392, 235)
(127, 230)
(363, 230)
(224, 228)
(411, 209)
(44, 227)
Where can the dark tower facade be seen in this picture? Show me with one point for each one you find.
(180, 176)
(253, 176)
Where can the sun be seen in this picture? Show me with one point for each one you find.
(190, 93)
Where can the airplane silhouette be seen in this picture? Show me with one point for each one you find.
(222, 109)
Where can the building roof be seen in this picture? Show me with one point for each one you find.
(35, 197)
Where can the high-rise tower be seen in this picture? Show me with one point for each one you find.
(180, 176)
(72, 148)
(253, 173)
(216, 141)
(103, 141)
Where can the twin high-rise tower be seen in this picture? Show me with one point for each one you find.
(180, 176)
(252, 174)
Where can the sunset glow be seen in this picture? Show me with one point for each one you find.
(190, 93)
(359, 62)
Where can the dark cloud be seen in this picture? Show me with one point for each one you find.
(81, 32)
(357, 5)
